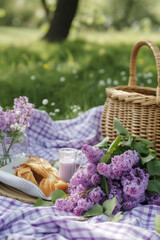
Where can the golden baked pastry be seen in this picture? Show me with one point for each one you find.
(40, 172)
(26, 173)
(45, 163)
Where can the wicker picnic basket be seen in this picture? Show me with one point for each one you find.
(137, 108)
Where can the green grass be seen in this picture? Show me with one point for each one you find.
(72, 73)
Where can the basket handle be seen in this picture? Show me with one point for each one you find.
(156, 53)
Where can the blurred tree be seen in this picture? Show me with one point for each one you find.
(123, 21)
(124, 13)
(97, 15)
(60, 21)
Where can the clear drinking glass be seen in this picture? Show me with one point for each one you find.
(67, 163)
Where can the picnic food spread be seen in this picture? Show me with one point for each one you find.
(40, 172)
(22, 220)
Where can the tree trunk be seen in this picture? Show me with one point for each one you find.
(61, 22)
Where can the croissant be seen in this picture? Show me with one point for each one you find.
(48, 185)
(26, 173)
(40, 172)
(36, 159)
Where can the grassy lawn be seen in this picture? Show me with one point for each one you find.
(71, 75)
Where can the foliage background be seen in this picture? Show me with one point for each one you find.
(94, 14)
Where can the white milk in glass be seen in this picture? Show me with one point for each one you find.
(67, 163)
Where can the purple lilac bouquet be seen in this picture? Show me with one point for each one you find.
(126, 181)
(12, 125)
(118, 177)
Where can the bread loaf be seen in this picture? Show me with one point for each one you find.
(40, 172)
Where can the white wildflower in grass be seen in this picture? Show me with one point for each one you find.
(101, 83)
(80, 113)
(124, 78)
(150, 74)
(74, 71)
(62, 79)
(149, 81)
(109, 81)
(115, 82)
(52, 114)
(75, 108)
(33, 77)
(57, 110)
(145, 75)
(101, 71)
(123, 73)
(45, 101)
(52, 104)
(91, 75)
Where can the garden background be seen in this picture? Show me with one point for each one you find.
(68, 77)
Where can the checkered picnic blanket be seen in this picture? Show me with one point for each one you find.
(47, 136)
(20, 221)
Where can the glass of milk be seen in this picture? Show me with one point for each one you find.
(67, 163)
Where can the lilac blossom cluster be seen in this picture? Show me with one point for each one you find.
(80, 202)
(93, 155)
(18, 118)
(153, 198)
(119, 165)
(127, 181)
(134, 186)
(115, 190)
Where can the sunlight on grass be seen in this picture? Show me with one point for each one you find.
(23, 36)
(16, 36)
(116, 37)
(67, 78)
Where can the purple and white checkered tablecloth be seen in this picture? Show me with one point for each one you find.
(47, 136)
(20, 221)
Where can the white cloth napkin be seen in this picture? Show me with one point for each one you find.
(7, 176)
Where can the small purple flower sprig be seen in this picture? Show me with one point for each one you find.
(13, 123)
(119, 176)
(18, 118)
